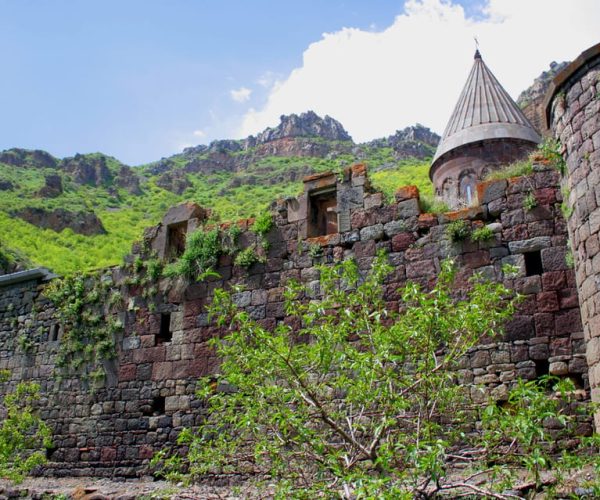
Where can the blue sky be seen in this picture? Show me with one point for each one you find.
(141, 79)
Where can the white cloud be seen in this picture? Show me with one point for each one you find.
(413, 71)
(240, 95)
(199, 133)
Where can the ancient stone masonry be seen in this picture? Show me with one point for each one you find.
(573, 111)
(163, 347)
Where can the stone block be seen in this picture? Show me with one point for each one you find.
(530, 245)
(372, 232)
(406, 193)
(402, 241)
(374, 200)
(394, 227)
(554, 259)
(408, 208)
(491, 190)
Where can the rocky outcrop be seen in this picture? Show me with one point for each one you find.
(531, 100)
(35, 158)
(307, 124)
(52, 188)
(88, 169)
(416, 141)
(175, 181)
(86, 223)
(128, 180)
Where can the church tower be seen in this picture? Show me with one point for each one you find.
(486, 130)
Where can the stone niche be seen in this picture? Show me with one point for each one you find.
(324, 207)
(168, 238)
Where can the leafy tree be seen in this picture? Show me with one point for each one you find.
(23, 435)
(349, 395)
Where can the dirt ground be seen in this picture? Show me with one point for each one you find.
(101, 489)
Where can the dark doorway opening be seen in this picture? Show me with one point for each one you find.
(176, 235)
(322, 219)
(164, 334)
(533, 263)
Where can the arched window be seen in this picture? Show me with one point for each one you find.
(467, 187)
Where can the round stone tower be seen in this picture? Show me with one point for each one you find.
(486, 130)
(573, 116)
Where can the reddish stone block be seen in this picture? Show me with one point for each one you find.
(515, 233)
(477, 259)
(127, 372)
(195, 291)
(275, 310)
(197, 368)
(149, 354)
(519, 328)
(554, 280)
(146, 451)
(364, 249)
(203, 350)
(560, 346)
(568, 298)
(193, 307)
(147, 341)
(568, 321)
(360, 219)
(420, 268)
(162, 371)
(402, 241)
(108, 454)
(547, 302)
(427, 220)
(545, 196)
(180, 369)
(544, 324)
(406, 193)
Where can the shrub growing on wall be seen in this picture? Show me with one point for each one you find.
(359, 401)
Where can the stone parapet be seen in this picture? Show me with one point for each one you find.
(573, 112)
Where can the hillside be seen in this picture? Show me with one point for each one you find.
(84, 212)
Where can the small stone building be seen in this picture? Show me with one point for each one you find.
(486, 130)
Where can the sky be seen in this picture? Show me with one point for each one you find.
(143, 79)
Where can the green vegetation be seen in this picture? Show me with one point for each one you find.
(358, 408)
(407, 172)
(23, 435)
(515, 435)
(431, 205)
(516, 169)
(482, 234)
(550, 149)
(202, 250)
(247, 257)
(83, 308)
(529, 202)
(458, 230)
(230, 195)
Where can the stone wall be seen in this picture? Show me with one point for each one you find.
(574, 116)
(163, 348)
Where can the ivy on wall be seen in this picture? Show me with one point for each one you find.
(84, 306)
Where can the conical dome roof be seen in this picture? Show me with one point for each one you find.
(484, 111)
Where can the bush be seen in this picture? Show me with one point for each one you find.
(458, 230)
(200, 257)
(263, 224)
(550, 150)
(246, 257)
(432, 205)
(350, 404)
(482, 234)
(23, 435)
(515, 169)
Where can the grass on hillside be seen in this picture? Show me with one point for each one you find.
(125, 216)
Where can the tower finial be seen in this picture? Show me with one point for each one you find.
(477, 54)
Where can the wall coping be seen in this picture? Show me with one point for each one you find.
(29, 275)
(586, 60)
